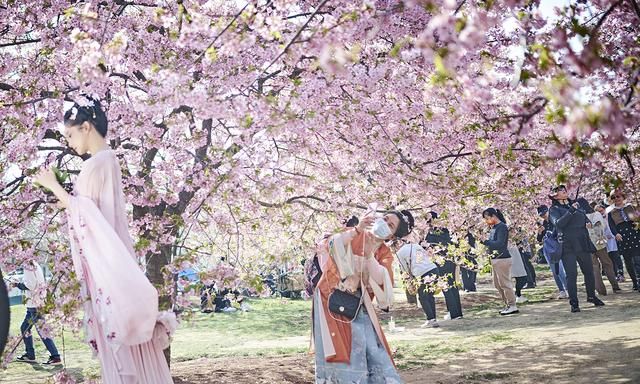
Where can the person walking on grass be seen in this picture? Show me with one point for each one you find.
(612, 244)
(33, 286)
(500, 258)
(599, 259)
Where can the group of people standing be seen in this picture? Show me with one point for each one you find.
(593, 236)
(359, 261)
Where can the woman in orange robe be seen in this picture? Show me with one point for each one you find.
(357, 261)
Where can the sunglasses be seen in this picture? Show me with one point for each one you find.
(617, 196)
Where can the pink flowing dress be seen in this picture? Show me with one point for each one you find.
(122, 322)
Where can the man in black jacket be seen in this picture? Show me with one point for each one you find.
(571, 224)
(440, 237)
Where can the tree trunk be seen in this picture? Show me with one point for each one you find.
(155, 265)
(411, 299)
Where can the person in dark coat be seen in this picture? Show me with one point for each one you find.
(468, 273)
(623, 218)
(571, 224)
(557, 268)
(439, 236)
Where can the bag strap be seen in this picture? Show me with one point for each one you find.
(350, 254)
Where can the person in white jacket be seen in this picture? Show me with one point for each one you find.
(518, 270)
(33, 285)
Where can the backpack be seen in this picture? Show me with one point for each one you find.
(312, 274)
(552, 246)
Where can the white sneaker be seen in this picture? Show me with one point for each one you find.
(521, 299)
(563, 295)
(447, 316)
(433, 323)
(510, 311)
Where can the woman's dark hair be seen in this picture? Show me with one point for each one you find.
(406, 223)
(494, 212)
(351, 222)
(92, 112)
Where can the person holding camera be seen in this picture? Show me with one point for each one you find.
(571, 223)
(441, 238)
(357, 266)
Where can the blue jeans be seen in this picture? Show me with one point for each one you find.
(559, 275)
(31, 320)
(369, 362)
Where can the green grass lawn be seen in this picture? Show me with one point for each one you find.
(262, 331)
(272, 327)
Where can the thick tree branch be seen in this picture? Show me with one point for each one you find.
(636, 7)
(19, 42)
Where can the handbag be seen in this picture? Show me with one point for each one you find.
(344, 304)
(552, 246)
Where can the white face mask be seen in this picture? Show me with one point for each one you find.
(381, 229)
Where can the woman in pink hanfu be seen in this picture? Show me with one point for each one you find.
(122, 322)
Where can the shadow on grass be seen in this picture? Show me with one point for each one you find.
(613, 361)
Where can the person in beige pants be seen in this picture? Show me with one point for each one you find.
(600, 259)
(502, 281)
(500, 258)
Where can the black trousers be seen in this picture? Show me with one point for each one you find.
(520, 282)
(452, 295)
(427, 301)
(571, 259)
(531, 271)
(469, 276)
(617, 262)
(629, 263)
